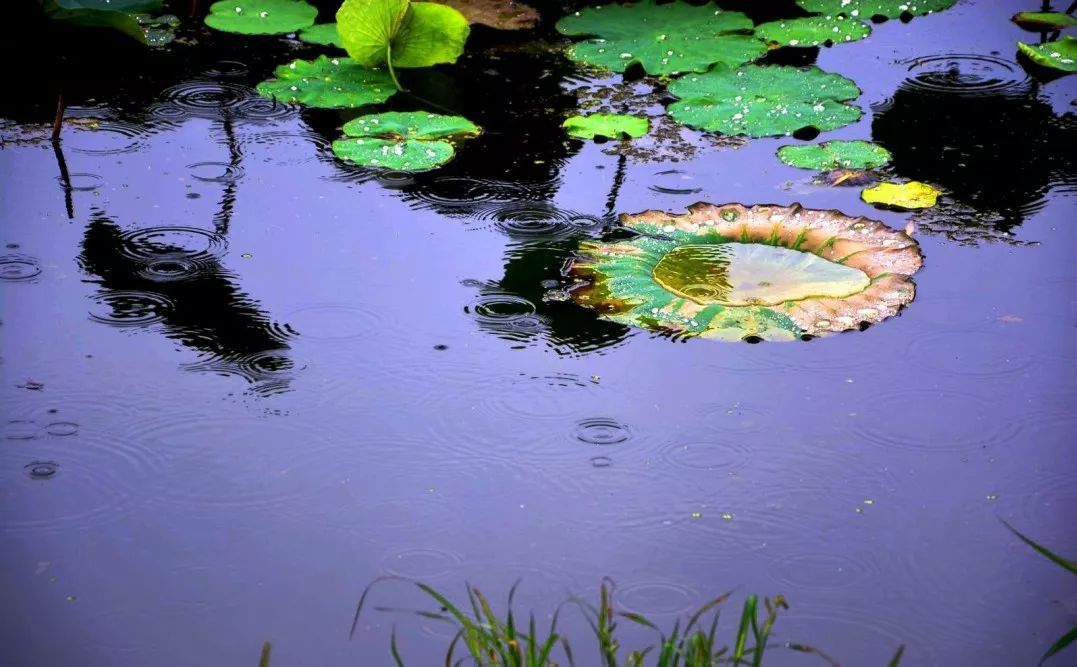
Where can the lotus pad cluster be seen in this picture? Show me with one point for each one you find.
(813, 31)
(328, 83)
(764, 101)
(664, 39)
(836, 154)
(748, 273)
(402, 141)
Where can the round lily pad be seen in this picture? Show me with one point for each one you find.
(763, 272)
(401, 33)
(402, 141)
(869, 9)
(910, 195)
(1060, 55)
(664, 39)
(328, 83)
(811, 31)
(260, 17)
(834, 155)
(1044, 21)
(764, 101)
(323, 34)
(613, 126)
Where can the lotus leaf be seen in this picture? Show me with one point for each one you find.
(834, 155)
(813, 31)
(126, 16)
(403, 141)
(913, 194)
(867, 9)
(1060, 55)
(1044, 21)
(763, 272)
(613, 126)
(328, 83)
(500, 14)
(664, 39)
(764, 101)
(401, 33)
(260, 17)
(324, 34)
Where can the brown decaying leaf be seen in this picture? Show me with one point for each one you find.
(500, 14)
(887, 257)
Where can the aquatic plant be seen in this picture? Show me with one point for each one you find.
(1060, 55)
(400, 33)
(663, 39)
(402, 141)
(764, 101)
(612, 126)
(499, 14)
(322, 34)
(1070, 566)
(908, 195)
(328, 83)
(138, 19)
(1044, 21)
(260, 17)
(811, 31)
(748, 273)
(874, 9)
(834, 155)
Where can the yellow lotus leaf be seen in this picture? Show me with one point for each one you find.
(913, 194)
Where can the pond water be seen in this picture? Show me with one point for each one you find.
(241, 379)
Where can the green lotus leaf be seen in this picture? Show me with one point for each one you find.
(610, 125)
(813, 31)
(260, 17)
(1044, 21)
(868, 9)
(1060, 55)
(835, 155)
(403, 141)
(401, 33)
(664, 39)
(323, 34)
(763, 272)
(129, 17)
(764, 101)
(328, 83)
(500, 14)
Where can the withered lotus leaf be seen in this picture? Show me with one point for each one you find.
(735, 272)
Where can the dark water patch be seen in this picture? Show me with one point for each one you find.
(601, 431)
(227, 69)
(216, 100)
(266, 367)
(16, 268)
(151, 243)
(40, 470)
(394, 180)
(216, 172)
(130, 308)
(967, 74)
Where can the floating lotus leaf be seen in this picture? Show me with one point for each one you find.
(867, 9)
(913, 194)
(402, 141)
(1044, 21)
(328, 83)
(834, 155)
(813, 31)
(664, 39)
(764, 101)
(401, 33)
(1060, 55)
(130, 17)
(610, 125)
(500, 14)
(323, 34)
(763, 272)
(260, 17)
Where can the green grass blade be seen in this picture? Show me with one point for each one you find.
(896, 660)
(1063, 641)
(263, 660)
(452, 647)
(1069, 565)
(393, 650)
(704, 609)
(747, 617)
(804, 648)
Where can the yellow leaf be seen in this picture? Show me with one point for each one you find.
(913, 194)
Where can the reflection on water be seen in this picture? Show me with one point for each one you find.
(975, 126)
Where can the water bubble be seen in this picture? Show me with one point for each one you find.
(128, 308)
(967, 74)
(18, 268)
(62, 429)
(42, 469)
(674, 182)
(215, 172)
(83, 182)
(602, 431)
